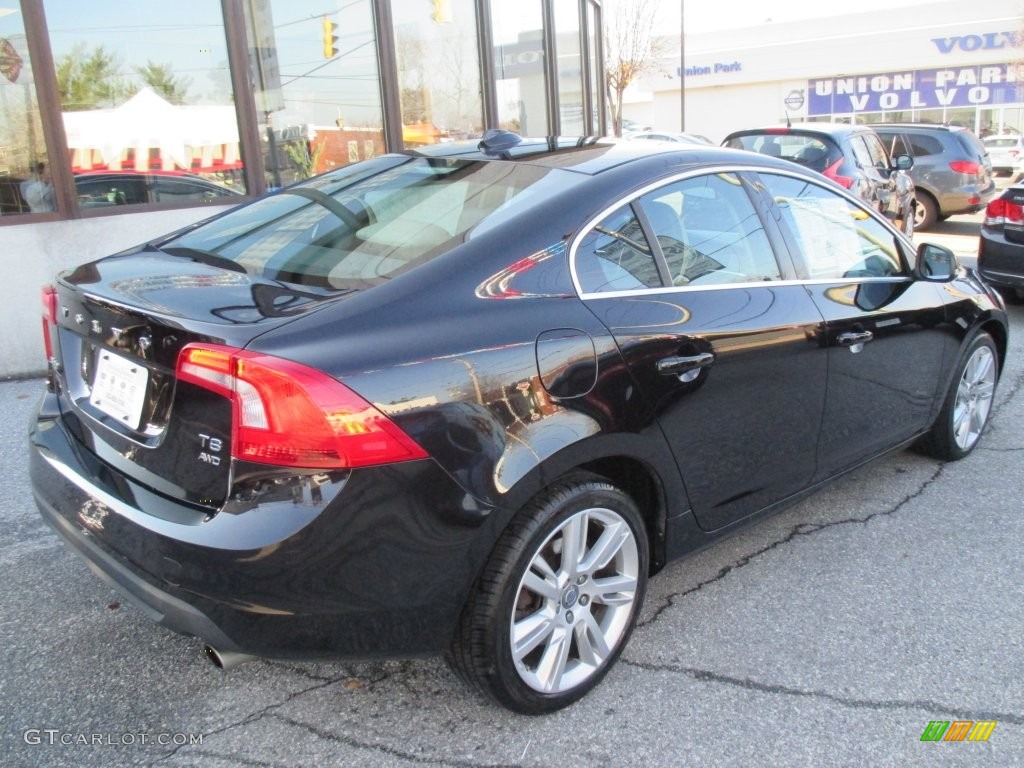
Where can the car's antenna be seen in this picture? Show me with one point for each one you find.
(789, 123)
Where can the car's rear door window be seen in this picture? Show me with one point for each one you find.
(709, 231)
(836, 237)
(924, 145)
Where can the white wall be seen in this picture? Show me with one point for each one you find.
(749, 71)
(31, 254)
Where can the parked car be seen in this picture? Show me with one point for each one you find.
(100, 189)
(1005, 153)
(467, 400)
(689, 138)
(1001, 243)
(952, 173)
(850, 155)
(631, 126)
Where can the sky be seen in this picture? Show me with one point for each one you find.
(711, 15)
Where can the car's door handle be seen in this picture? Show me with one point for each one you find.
(854, 337)
(684, 365)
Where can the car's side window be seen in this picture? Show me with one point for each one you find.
(893, 143)
(879, 157)
(615, 255)
(709, 231)
(837, 238)
(924, 145)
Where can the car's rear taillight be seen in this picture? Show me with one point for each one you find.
(1000, 212)
(832, 172)
(966, 166)
(49, 296)
(289, 414)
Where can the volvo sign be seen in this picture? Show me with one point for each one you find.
(915, 89)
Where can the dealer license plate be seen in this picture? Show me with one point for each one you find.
(119, 389)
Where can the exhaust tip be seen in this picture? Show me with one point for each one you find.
(225, 659)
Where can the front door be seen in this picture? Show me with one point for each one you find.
(883, 328)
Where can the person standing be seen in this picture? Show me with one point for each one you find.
(37, 190)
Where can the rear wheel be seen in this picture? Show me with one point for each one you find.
(968, 403)
(557, 602)
(926, 212)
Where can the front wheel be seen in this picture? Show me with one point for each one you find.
(967, 406)
(556, 604)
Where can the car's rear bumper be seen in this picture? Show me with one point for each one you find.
(1000, 262)
(964, 202)
(373, 562)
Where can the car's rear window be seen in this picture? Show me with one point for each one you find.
(811, 151)
(1009, 141)
(369, 222)
(970, 142)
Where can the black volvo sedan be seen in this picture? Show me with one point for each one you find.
(468, 401)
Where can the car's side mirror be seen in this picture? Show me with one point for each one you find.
(936, 264)
(903, 163)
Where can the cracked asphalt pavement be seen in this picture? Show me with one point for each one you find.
(829, 634)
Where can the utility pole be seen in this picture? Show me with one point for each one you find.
(682, 69)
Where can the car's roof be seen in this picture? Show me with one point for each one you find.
(920, 126)
(826, 129)
(587, 155)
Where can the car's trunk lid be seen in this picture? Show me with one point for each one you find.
(121, 324)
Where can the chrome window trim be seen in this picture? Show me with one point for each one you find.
(756, 284)
(692, 173)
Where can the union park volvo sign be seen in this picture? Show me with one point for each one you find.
(989, 84)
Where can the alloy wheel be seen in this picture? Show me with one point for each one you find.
(575, 601)
(974, 397)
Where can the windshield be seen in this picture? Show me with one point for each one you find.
(369, 222)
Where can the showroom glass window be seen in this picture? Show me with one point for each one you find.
(838, 238)
(318, 89)
(596, 69)
(438, 70)
(24, 187)
(570, 68)
(518, 34)
(145, 93)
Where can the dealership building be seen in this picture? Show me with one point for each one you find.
(148, 116)
(943, 62)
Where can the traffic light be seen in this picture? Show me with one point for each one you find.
(442, 11)
(330, 39)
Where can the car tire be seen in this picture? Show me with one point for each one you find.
(968, 403)
(543, 625)
(926, 212)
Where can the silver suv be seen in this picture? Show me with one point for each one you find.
(952, 173)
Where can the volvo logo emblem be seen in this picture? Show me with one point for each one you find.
(79, 318)
(570, 596)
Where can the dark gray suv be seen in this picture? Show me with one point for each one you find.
(952, 173)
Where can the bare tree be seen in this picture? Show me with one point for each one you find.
(630, 49)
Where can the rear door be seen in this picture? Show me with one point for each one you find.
(883, 334)
(686, 279)
(873, 161)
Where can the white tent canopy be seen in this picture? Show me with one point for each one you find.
(147, 121)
